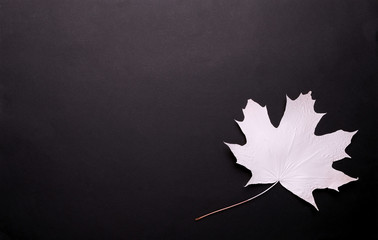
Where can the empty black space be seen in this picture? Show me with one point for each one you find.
(114, 113)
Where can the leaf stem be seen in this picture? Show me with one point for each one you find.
(236, 204)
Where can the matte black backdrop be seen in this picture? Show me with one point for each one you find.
(114, 113)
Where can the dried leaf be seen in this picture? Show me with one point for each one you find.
(291, 154)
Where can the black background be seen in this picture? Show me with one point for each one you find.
(114, 113)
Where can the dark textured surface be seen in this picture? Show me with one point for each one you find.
(114, 113)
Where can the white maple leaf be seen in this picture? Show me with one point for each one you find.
(290, 154)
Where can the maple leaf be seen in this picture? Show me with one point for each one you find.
(290, 154)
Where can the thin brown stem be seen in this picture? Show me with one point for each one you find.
(236, 204)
